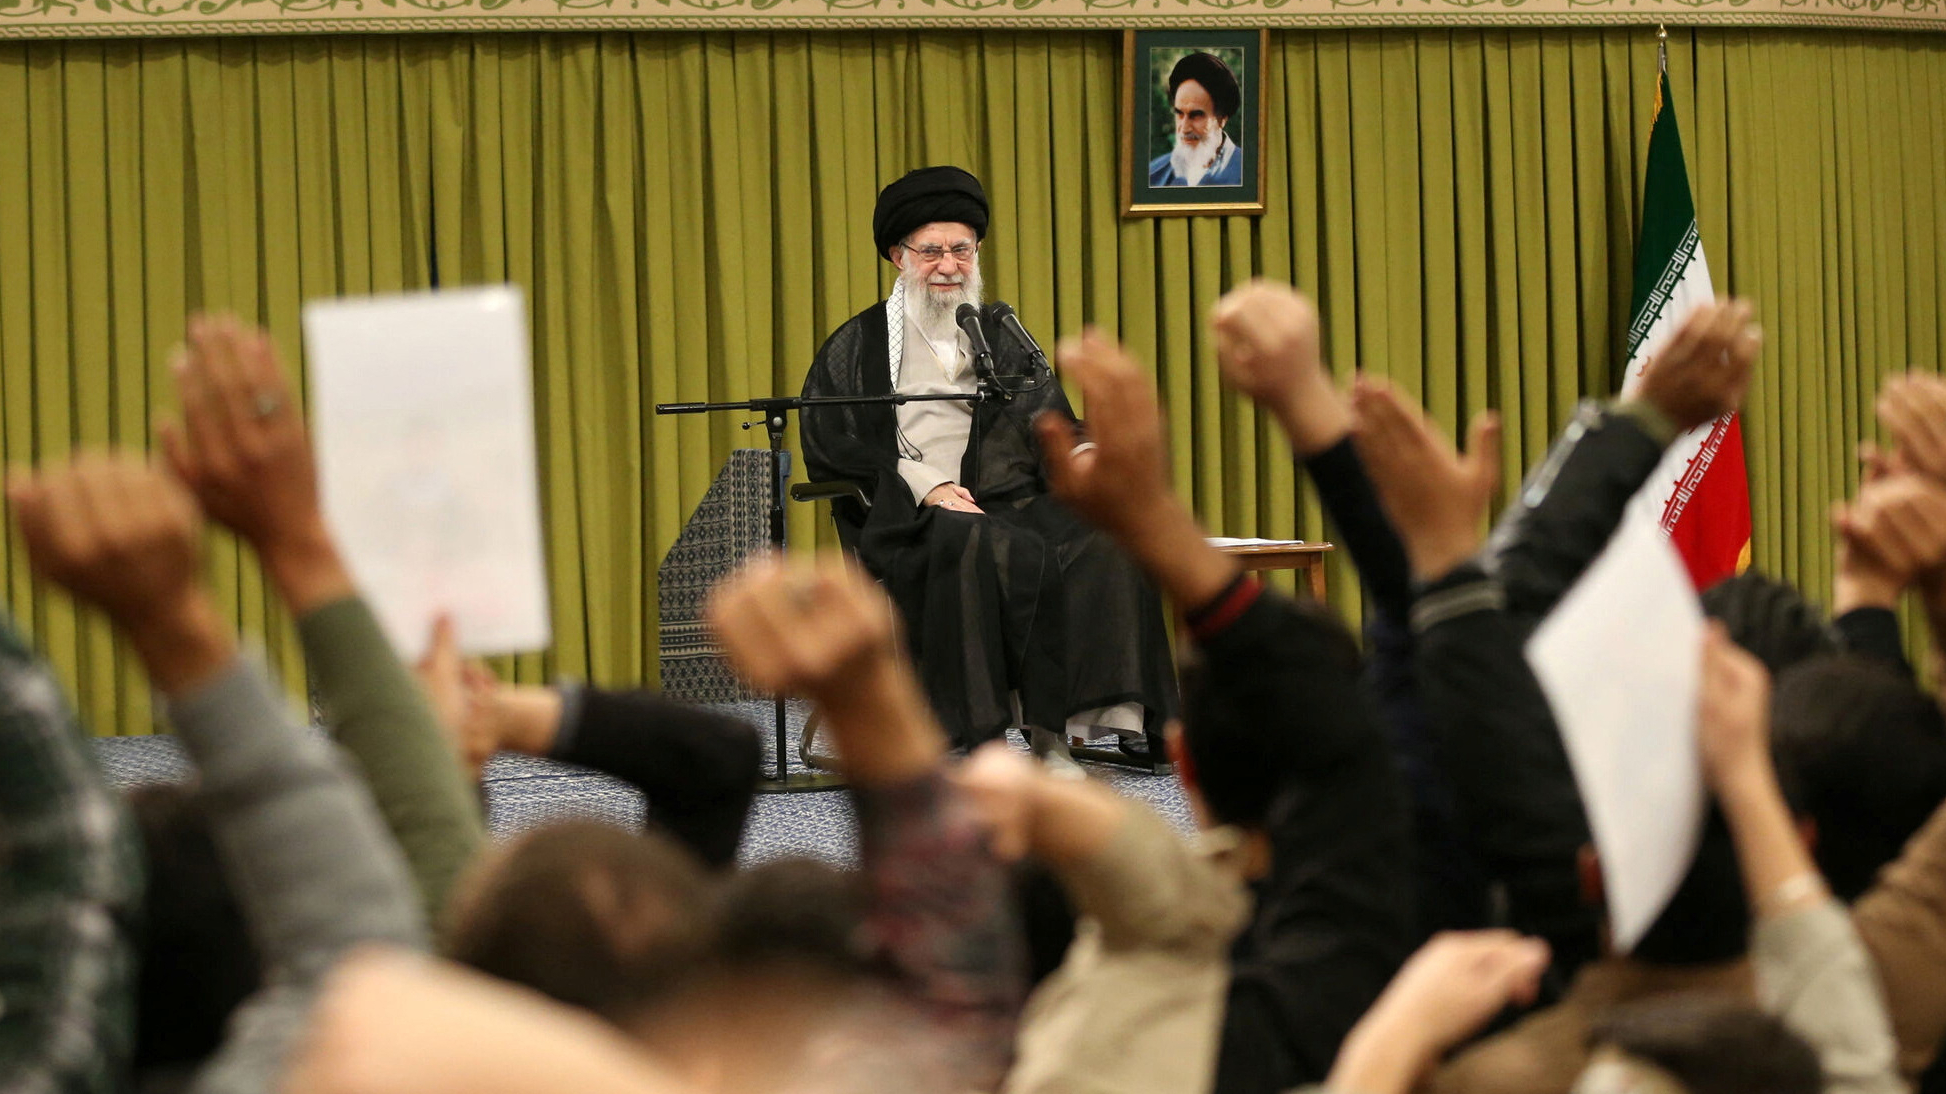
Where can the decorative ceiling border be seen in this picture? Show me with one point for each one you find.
(176, 18)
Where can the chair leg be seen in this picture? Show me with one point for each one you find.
(820, 761)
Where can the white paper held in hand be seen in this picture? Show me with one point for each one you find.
(423, 412)
(1619, 659)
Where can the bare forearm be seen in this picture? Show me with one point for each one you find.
(1375, 1060)
(1313, 418)
(526, 718)
(1171, 547)
(306, 568)
(1768, 846)
(1856, 588)
(183, 646)
(884, 728)
(1073, 821)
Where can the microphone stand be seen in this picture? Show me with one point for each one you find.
(774, 421)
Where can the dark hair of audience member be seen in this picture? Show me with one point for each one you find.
(589, 914)
(1861, 751)
(1248, 734)
(1708, 919)
(795, 914)
(197, 963)
(1770, 619)
(1713, 1046)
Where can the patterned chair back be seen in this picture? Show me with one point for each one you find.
(731, 522)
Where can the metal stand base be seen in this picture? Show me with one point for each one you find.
(1115, 756)
(803, 782)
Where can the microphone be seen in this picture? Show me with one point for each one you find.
(968, 319)
(1011, 324)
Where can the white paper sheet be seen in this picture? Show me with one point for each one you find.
(1619, 661)
(1232, 541)
(423, 413)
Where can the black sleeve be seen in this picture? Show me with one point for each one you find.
(1334, 915)
(1568, 509)
(1518, 804)
(1332, 925)
(853, 443)
(1451, 893)
(698, 769)
(1874, 632)
(1352, 506)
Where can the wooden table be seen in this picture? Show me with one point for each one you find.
(1305, 557)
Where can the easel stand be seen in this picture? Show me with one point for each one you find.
(774, 419)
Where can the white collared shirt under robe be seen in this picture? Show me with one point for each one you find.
(933, 432)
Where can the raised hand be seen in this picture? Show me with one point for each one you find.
(124, 537)
(1267, 347)
(1437, 498)
(242, 449)
(824, 630)
(460, 692)
(1001, 785)
(1442, 995)
(801, 627)
(1913, 410)
(1703, 371)
(1733, 719)
(1891, 535)
(112, 531)
(1119, 477)
(1733, 741)
(241, 446)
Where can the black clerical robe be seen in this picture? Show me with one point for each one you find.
(1026, 597)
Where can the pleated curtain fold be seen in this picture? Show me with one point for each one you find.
(690, 214)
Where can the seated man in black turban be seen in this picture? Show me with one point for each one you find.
(1205, 95)
(1004, 591)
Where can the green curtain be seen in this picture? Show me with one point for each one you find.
(690, 215)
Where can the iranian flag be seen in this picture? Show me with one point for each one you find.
(1701, 493)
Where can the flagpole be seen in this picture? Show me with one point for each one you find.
(1661, 51)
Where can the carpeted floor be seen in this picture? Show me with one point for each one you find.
(522, 792)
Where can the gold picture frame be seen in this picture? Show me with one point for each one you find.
(1155, 181)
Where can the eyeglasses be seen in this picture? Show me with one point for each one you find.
(931, 253)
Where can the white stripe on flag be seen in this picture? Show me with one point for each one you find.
(1684, 284)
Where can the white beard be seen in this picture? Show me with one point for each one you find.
(934, 310)
(1192, 161)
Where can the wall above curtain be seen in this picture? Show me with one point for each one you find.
(174, 18)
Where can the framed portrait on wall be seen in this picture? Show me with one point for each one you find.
(1192, 122)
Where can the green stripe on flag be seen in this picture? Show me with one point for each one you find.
(1668, 222)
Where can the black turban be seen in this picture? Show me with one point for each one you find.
(928, 196)
(1215, 76)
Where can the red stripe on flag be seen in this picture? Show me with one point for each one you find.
(1712, 509)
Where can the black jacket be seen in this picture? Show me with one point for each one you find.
(1333, 918)
(1515, 791)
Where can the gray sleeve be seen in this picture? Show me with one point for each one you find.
(1814, 975)
(306, 852)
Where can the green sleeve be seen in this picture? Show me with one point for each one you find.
(377, 713)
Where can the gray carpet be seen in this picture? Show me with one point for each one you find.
(522, 792)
